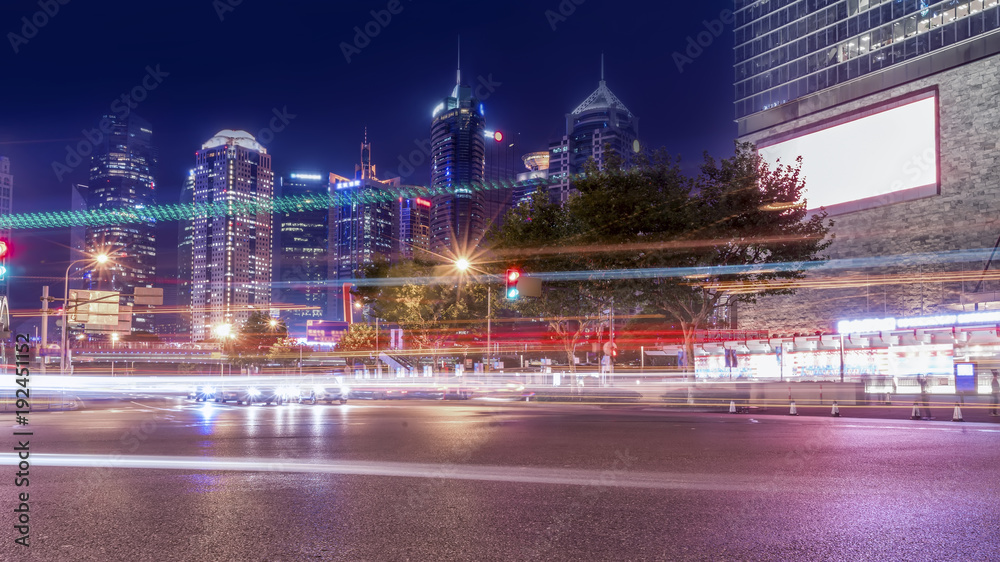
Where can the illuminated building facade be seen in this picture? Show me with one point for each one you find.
(180, 328)
(231, 252)
(301, 259)
(537, 164)
(787, 51)
(500, 176)
(458, 159)
(122, 173)
(892, 107)
(413, 228)
(600, 123)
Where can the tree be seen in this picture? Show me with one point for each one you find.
(711, 236)
(542, 236)
(257, 336)
(426, 300)
(362, 338)
(651, 237)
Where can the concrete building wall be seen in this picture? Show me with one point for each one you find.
(964, 216)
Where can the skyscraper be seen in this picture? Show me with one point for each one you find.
(892, 108)
(499, 177)
(121, 179)
(458, 155)
(6, 195)
(361, 228)
(231, 252)
(599, 123)
(301, 261)
(413, 228)
(185, 244)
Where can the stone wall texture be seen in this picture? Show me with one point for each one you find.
(964, 216)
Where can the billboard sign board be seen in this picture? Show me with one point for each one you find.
(97, 309)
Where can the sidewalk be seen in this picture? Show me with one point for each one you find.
(942, 408)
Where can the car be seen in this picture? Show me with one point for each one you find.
(262, 394)
(329, 394)
(367, 395)
(225, 394)
(201, 393)
(414, 394)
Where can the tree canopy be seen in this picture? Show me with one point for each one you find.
(428, 301)
(256, 339)
(650, 238)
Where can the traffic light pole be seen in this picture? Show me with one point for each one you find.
(45, 329)
(489, 331)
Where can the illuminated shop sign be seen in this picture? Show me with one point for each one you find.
(887, 324)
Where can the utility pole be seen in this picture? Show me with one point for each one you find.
(43, 348)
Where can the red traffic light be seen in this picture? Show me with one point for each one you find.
(498, 136)
(3, 248)
(512, 276)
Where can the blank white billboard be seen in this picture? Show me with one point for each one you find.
(868, 161)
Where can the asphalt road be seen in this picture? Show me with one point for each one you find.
(425, 480)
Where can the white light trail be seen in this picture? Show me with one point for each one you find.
(516, 475)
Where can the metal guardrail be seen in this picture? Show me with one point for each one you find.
(59, 402)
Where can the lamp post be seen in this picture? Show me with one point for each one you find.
(463, 265)
(63, 352)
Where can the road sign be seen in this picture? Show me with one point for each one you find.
(97, 309)
(148, 296)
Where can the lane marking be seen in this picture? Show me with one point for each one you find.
(511, 474)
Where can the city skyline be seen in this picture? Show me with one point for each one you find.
(390, 87)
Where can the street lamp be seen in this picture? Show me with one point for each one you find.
(100, 259)
(463, 265)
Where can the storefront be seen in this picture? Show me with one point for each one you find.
(889, 354)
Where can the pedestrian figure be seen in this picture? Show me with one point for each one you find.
(995, 387)
(925, 397)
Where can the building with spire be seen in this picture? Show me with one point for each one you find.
(231, 251)
(599, 124)
(458, 156)
(361, 225)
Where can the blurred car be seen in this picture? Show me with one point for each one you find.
(320, 393)
(262, 394)
(225, 394)
(413, 394)
(509, 391)
(367, 395)
(201, 393)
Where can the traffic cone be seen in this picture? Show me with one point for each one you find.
(791, 410)
(957, 416)
(835, 411)
(732, 407)
(915, 415)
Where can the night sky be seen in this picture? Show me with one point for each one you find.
(235, 70)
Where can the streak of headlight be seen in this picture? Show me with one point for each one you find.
(900, 260)
(647, 246)
(845, 281)
(518, 475)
